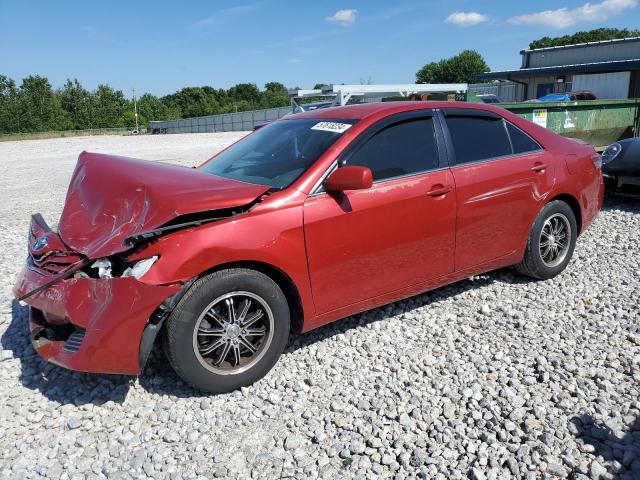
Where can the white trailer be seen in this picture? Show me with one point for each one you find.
(343, 94)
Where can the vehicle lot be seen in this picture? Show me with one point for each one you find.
(493, 377)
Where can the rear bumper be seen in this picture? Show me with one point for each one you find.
(88, 324)
(591, 200)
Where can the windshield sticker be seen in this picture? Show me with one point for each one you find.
(331, 127)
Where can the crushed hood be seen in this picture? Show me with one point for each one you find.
(111, 198)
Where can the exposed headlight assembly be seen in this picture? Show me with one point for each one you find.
(104, 267)
(611, 152)
(137, 270)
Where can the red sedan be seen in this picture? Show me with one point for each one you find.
(307, 220)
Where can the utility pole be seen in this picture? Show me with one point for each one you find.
(135, 109)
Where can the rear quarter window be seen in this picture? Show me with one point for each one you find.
(522, 143)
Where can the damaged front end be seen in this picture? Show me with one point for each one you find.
(90, 308)
(84, 317)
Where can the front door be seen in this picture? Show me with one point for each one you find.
(401, 232)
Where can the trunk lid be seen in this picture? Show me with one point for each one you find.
(111, 198)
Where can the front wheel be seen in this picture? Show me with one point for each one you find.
(551, 242)
(228, 330)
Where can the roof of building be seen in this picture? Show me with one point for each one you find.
(594, 67)
(585, 44)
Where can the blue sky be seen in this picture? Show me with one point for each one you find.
(160, 46)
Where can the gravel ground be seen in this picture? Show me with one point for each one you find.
(494, 377)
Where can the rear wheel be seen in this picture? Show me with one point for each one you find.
(551, 242)
(228, 330)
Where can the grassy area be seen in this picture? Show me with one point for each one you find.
(5, 137)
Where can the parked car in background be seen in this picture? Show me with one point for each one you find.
(621, 166)
(489, 98)
(309, 107)
(569, 96)
(309, 219)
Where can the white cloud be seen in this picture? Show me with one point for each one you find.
(344, 18)
(567, 17)
(466, 19)
(221, 17)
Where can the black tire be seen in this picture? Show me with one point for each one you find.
(181, 342)
(533, 265)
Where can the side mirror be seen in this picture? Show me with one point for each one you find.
(349, 178)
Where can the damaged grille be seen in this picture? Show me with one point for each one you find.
(74, 342)
(54, 263)
(53, 257)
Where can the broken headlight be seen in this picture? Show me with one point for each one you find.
(103, 265)
(139, 268)
(136, 270)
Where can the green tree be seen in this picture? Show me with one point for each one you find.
(461, 68)
(220, 95)
(596, 35)
(320, 86)
(247, 92)
(275, 95)
(9, 113)
(39, 108)
(152, 108)
(193, 102)
(78, 102)
(110, 106)
(276, 87)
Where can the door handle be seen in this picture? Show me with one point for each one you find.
(539, 167)
(439, 190)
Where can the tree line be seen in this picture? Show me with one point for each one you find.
(35, 106)
(596, 35)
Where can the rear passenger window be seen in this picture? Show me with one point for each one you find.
(521, 142)
(399, 149)
(477, 138)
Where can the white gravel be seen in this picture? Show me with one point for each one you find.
(494, 377)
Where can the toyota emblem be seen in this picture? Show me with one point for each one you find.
(39, 244)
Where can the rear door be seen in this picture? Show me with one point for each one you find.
(401, 232)
(501, 175)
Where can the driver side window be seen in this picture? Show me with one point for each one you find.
(402, 148)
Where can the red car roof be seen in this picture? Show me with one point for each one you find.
(362, 110)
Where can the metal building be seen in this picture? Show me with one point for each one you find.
(609, 68)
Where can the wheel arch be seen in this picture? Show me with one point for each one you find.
(283, 281)
(573, 204)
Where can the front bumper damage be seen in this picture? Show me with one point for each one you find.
(91, 324)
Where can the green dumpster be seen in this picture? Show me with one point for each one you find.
(597, 122)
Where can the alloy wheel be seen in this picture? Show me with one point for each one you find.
(555, 239)
(233, 333)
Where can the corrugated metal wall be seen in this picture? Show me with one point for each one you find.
(228, 122)
(600, 52)
(507, 91)
(604, 85)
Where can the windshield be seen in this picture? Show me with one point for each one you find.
(278, 153)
